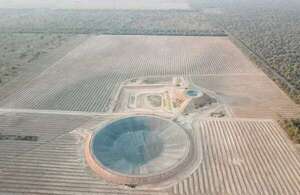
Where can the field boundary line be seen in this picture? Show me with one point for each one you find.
(79, 113)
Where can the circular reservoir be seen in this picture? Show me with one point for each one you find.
(139, 149)
(193, 93)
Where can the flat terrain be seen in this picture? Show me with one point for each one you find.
(54, 163)
(99, 4)
(122, 22)
(243, 157)
(250, 96)
(238, 157)
(89, 75)
(61, 69)
(270, 29)
(18, 51)
(60, 103)
(25, 55)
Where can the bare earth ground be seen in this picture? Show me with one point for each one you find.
(25, 55)
(19, 50)
(87, 77)
(236, 156)
(250, 96)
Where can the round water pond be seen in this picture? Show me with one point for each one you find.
(140, 146)
(193, 93)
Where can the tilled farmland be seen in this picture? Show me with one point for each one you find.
(237, 156)
(70, 84)
(49, 123)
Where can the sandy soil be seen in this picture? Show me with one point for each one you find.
(20, 50)
(23, 56)
(86, 78)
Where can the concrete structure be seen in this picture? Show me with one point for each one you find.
(138, 150)
(233, 156)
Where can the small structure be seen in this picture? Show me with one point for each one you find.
(171, 96)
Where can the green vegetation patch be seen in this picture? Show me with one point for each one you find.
(155, 100)
(292, 127)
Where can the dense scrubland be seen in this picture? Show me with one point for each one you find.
(274, 35)
(28, 34)
(269, 31)
(148, 22)
(292, 127)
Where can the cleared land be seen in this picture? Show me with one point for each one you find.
(228, 156)
(270, 29)
(20, 50)
(49, 127)
(53, 164)
(239, 157)
(250, 96)
(87, 78)
(24, 56)
(61, 94)
(243, 157)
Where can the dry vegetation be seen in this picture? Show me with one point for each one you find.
(241, 156)
(292, 127)
(85, 79)
(18, 51)
(88, 78)
(155, 22)
(271, 31)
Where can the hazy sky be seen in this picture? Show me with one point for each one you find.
(96, 4)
